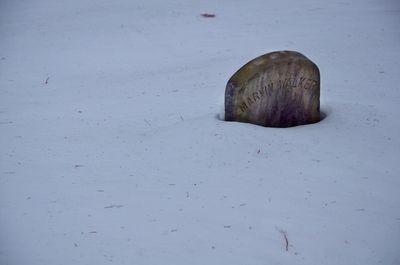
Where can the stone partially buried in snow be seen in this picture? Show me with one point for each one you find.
(278, 89)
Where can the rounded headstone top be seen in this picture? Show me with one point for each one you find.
(278, 89)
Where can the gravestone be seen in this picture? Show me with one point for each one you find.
(278, 89)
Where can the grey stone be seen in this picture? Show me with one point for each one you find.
(278, 89)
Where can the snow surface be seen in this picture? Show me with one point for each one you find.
(113, 152)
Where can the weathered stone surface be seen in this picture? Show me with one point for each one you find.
(278, 89)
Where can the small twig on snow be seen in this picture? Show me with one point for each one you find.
(208, 15)
(286, 241)
(284, 234)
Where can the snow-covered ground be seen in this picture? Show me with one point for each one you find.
(113, 152)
